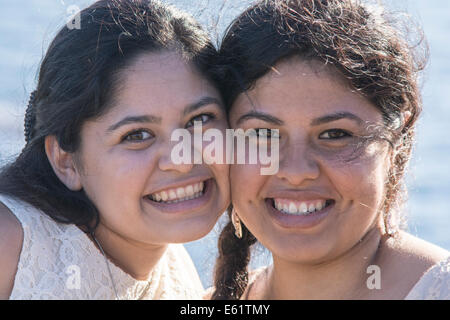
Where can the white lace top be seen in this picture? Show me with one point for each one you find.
(434, 284)
(59, 261)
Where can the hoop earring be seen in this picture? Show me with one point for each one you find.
(236, 224)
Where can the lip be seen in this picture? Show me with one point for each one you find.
(186, 205)
(291, 221)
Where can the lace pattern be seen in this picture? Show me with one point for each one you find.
(434, 284)
(58, 261)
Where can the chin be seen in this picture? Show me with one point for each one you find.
(308, 249)
(191, 230)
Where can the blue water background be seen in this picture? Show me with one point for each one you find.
(28, 26)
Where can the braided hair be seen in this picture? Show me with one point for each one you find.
(231, 278)
(30, 118)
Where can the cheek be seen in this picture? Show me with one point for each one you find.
(221, 173)
(361, 180)
(116, 174)
(246, 182)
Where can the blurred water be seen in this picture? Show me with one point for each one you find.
(28, 26)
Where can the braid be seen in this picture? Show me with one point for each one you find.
(231, 274)
(30, 117)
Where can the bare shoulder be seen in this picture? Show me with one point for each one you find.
(407, 253)
(404, 260)
(422, 251)
(11, 238)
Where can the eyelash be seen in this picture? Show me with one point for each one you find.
(124, 137)
(268, 132)
(346, 134)
(210, 115)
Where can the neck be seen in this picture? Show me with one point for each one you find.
(344, 277)
(135, 258)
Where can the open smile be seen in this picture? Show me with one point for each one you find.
(296, 213)
(183, 198)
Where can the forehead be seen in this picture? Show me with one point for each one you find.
(160, 81)
(159, 85)
(295, 88)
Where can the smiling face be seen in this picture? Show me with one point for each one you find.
(329, 187)
(125, 155)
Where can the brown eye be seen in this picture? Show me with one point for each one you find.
(138, 135)
(334, 134)
(203, 118)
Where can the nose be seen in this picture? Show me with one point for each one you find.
(169, 162)
(298, 165)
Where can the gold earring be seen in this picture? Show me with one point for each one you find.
(236, 224)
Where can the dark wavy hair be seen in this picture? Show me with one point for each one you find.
(367, 49)
(78, 79)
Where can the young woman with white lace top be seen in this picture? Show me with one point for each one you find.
(94, 207)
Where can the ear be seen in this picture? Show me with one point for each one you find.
(63, 164)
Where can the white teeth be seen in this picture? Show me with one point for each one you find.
(190, 191)
(319, 205)
(291, 207)
(179, 194)
(278, 205)
(303, 208)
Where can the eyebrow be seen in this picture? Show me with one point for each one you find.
(134, 119)
(315, 122)
(261, 116)
(154, 119)
(334, 117)
(201, 103)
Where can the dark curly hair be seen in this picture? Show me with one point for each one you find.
(366, 48)
(78, 78)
